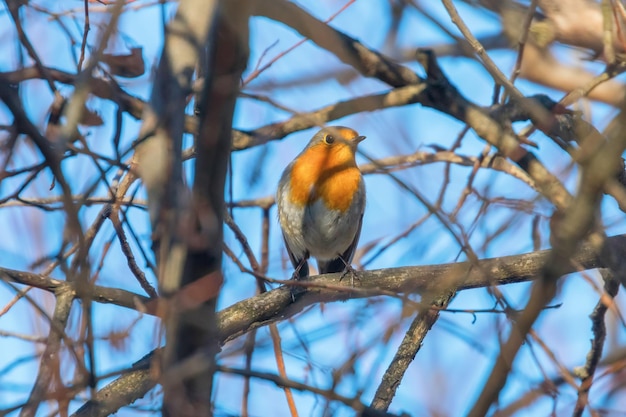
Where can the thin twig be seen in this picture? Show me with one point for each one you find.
(598, 327)
(411, 344)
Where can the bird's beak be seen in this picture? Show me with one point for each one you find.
(359, 139)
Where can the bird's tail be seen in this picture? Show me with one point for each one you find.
(334, 265)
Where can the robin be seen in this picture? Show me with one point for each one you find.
(321, 200)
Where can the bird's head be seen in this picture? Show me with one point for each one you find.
(337, 138)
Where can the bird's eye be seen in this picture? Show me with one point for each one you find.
(329, 139)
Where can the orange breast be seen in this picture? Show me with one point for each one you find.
(327, 172)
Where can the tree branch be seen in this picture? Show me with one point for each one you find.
(276, 305)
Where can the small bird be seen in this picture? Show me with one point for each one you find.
(321, 200)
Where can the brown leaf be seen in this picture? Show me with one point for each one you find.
(129, 66)
(90, 118)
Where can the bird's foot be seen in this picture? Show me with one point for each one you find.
(349, 270)
(296, 290)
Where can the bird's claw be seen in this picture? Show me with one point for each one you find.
(296, 290)
(353, 276)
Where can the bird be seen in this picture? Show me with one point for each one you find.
(321, 201)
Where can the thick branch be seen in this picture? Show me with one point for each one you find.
(276, 305)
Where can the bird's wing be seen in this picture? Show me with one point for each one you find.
(303, 273)
(281, 200)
